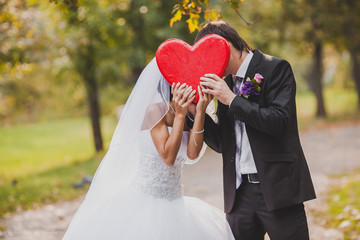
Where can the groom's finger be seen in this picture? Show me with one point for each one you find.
(208, 79)
(213, 76)
(209, 91)
(206, 85)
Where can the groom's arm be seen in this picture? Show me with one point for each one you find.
(275, 118)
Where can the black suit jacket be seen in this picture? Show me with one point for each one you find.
(271, 126)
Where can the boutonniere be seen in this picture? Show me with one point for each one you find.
(252, 86)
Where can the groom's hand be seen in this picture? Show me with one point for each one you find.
(214, 85)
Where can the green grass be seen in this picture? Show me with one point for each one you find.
(340, 105)
(40, 162)
(34, 148)
(344, 206)
(45, 187)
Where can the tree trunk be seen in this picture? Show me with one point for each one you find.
(353, 47)
(315, 79)
(356, 73)
(93, 101)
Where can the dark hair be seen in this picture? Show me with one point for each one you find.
(226, 31)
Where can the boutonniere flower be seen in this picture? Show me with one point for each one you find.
(252, 86)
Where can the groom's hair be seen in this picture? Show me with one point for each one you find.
(226, 31)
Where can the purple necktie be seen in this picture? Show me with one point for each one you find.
(239, 129)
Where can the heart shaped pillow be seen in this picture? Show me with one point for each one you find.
(181, 62)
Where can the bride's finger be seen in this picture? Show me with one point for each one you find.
(201, 95)
(182, 88)
(192, 94)
(175, 90)
(187, 92)
(205, 95)
(181, 97)
(180, 92)
(190, 99)
(177, 86)
(172, 88)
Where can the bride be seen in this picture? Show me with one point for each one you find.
(137, 192)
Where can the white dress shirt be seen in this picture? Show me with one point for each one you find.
(246, 160)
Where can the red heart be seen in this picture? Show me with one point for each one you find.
(181, 62)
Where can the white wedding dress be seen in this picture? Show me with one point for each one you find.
(153, 206)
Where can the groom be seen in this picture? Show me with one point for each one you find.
(266, 178)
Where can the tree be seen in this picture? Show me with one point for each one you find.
(114, 33)
(344, 29)
(147, 23)
(23, 38)
(94, 40)
(304, 25)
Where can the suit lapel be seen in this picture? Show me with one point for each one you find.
(253, 64)
(229, 81)
(250, 73)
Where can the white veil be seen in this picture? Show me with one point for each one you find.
(121, 161)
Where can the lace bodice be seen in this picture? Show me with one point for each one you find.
(154, 176)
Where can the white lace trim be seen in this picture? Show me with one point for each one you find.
(157, 179)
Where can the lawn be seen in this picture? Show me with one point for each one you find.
(344, 207)
(40, 162)
(340, 105)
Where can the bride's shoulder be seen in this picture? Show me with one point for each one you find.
(156, 107)
(154, 112)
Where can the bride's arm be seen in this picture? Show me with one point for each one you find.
(167, 145)
(196, 136)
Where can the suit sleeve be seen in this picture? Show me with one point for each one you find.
(273, 119)
(212, 134)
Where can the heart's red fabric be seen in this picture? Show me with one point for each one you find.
(181, 62)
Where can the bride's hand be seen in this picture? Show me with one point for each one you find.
(204, 100)
(183, 95)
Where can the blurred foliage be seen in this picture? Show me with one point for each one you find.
(307, 24)
(343, 212)
(198, 10)
(103, 35)
(45, 47)
(25, 33)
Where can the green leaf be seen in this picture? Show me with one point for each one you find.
(193, 22)
(177, 17)
(254, 82)
(211, 15)
(257, 88)
(216, 105)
